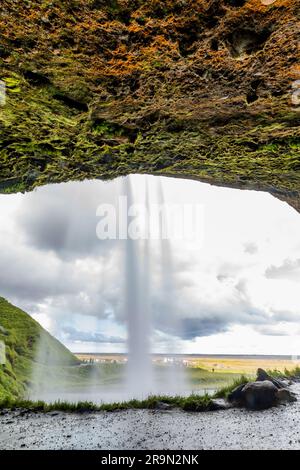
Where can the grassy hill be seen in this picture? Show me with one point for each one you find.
(22, 336)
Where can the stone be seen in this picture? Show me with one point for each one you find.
(217, 404)
(236, 396)
(161, 405)
(263, 375)
(285, 396)
(259, 395)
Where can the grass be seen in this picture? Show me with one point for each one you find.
(287, 373)
(190, 403)
(193, 402)
(224, 392)
(21, 336)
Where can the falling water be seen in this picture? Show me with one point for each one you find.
(140, 274)
(139, 314)
(140, 374)
(174, 375)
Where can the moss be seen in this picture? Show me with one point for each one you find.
(97, 89)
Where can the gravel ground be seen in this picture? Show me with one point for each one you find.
(277, 428)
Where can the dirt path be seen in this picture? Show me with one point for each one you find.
(278, 428)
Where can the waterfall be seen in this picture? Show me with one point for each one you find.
(174, 376)
(139, 371)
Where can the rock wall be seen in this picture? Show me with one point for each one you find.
(206, 89)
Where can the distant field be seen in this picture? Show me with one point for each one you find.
(215, 364)
(204, 373)
(242, 365)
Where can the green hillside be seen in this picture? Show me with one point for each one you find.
(22, 336)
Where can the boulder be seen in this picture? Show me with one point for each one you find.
(263, 375)
(217, 404)
(236, 397)
(162, 406)
(259, 395)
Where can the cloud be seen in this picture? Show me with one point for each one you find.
(251, 248)
(30, 275)
(75, 335)
(289, 269)
(271, 330)
(191, 312)
(52, 264)
(67, 228)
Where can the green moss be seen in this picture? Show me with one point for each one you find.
(99, 89)
(43, 140)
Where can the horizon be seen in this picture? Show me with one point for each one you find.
(285, 356)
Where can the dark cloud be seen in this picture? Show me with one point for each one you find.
(197, 327)
(90, 337)
(198, 317)
(63, 220)
(289, 270)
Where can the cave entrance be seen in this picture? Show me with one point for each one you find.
(160, 285)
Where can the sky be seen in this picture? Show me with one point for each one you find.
(231, 288)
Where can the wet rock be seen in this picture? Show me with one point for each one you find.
(23, 411)
(236, 396)
(263, 375)
(285, 396)
(161, 405)
(208, 33)
(259, 395)
(217, 404)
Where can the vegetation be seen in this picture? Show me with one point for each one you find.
(191, 403)
(22, 335)
(197, 88)
(287, 373)
(224, 392)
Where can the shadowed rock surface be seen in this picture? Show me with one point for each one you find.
(203, 89)
(259, 395)
(263, 375)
